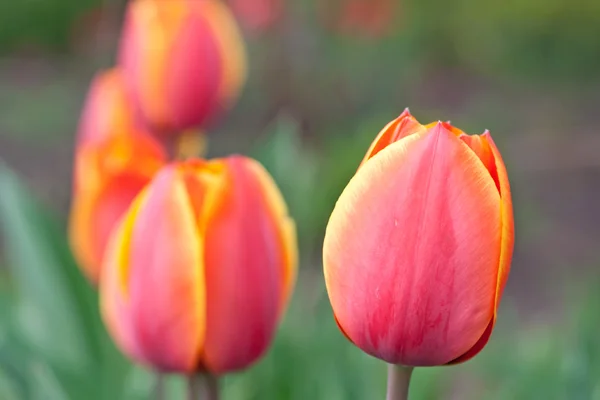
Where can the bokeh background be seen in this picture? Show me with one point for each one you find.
(325, 77)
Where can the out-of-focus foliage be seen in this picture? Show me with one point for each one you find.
(47, 24)
(527, 39)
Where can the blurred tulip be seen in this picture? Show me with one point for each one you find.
(418, 248)
(113, 162)
(257, 15)
(371, 18)
(107, 110)
(200, 269)
(183, 61)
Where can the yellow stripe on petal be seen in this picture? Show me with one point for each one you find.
(113, 288)
(155, 26)
(166, 285)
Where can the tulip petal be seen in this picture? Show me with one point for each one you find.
(231, 45)
(114, 299)
(487, 151)
(106, 111)
(243, 272)
(149, 30)
(275, 204)
(399, 128)
(166, 280)
(108, 175)
(508, 228)
(194, 72)
(480, 145)
(411, 251)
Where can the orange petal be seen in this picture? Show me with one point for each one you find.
(411, 251)
(231, 45)
(149, 30)
(108, 175)
(245, 263)
(480, 145)
(508, 228)
(166, 281)
(399, 128)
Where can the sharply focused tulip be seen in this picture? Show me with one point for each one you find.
(418, 248)
(113, 162)
(183, 61)
(200, 269)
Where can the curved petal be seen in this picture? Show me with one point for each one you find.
(480, 145)
(194, 73)
(149, 30)
(399, 128)
(411, 251)
(106, 111)
(286, 228)
(231, 45)
(508, 228)
(113, 291)
(487, 151)
(243, 261)
(166, 280)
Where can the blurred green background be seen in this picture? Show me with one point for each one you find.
(323, 81)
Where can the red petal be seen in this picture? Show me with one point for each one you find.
(244, 275)
(166, 280)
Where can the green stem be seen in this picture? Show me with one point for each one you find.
(159, 386)
(203, 387)
(398, 381)
(194, 387)
(211, 387)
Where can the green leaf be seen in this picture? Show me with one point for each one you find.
(294, 167)
(55, 304)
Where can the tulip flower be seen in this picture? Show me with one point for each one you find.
(183, 61)
(113, 162)
(200, 269)
(418, 248)
(257, 15)
(369, 18)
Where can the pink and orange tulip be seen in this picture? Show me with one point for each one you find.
(418, 248)
(113, 162)
(183, 61)
(200, 270)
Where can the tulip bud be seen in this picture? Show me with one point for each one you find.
(418, 248)
(113, 162)
(200, 269)
(183, 61)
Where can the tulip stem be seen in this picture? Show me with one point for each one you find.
(194, 386)
(398, 381)
(212, 387)
(203, 387)
(159, 386)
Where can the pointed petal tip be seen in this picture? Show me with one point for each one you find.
(405, 113)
